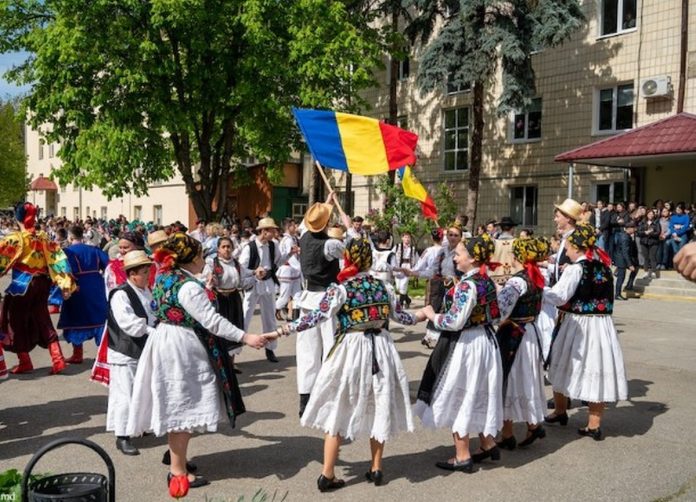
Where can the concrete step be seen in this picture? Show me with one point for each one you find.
(666, 291)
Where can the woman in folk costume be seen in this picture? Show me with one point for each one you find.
(184, 383)
(461, 388)
(115, 275)
(225, 276)
(586, 358)
(83, 316)
(520, 344)
(36, 263)
(362, 388)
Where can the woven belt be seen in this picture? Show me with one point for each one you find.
(226, 291)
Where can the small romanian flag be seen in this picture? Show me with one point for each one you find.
(359, 145)
(413, 188)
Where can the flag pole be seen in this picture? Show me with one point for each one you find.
(328, 185)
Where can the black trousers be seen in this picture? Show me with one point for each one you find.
(621, 275)
(650, 255)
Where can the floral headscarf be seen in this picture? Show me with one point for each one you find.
(358, 258)
(178, 249)
(528, 252)
(584, 238)
(481, 248)
(135, 237)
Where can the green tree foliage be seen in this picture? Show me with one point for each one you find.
(136, 89)
(13, 161)
(477, 36)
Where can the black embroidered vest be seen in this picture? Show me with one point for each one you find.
(119, 340)
(529, 304)
(366, 307)
(595, 293)
(318, 271)
(486, 310)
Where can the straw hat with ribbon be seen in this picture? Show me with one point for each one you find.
(135, 258)
(318, 216)
(571, 208)
(266, 223)
(157, 237)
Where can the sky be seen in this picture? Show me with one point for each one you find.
(7, 61)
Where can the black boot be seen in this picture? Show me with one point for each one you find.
(124, 445)
(270, 355)
(304, 399)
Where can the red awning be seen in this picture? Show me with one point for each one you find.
(670, 138)
(42, 183)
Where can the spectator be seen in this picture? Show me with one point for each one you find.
(663, 251)
(649, 234)
(626, 257)
(678, 228)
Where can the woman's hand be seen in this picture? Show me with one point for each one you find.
(428, 312)
(255, 341)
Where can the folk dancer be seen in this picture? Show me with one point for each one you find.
(503, 254)
(83, 316)
(383, 258)
(406, 258)
(461, 388)
(521, 350)
(289, 273)
(36, 262)
(362, 388)
(130, 322)
(319, 257)
(586, 358)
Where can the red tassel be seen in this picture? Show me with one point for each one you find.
(534, 274)
(349, 270)
(603, 256)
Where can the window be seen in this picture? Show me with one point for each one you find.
(453, 88)
(527, 125)
(157, 215)
(402, 121)
(617, 16)
(103, 212)
(64, 212)
(523, 205)
(298, 210)
(76, 214)
(609, 192)
(88, 214)
(137, 212)
(51, 150)
(40, 150)
(404, 68)
(62, 188)
(456, 139)
(615, 108)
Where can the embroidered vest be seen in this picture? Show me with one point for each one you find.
(119, 340)
(529, 304)
(366, 307)
(255, 260)
(595, 293)
(316, 269)
(486, 310)
(165, 299)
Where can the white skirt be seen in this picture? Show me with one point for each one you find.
(175, 388)
(121, 377)
(545, 323)
(347, 399)
(586, 360)
(468, 398)
(525, 400)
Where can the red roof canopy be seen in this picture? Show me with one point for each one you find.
(674, 136)
(42, 183)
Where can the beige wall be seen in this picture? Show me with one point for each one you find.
(568, 79)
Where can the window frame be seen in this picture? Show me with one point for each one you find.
(456, 150)
(596, 109)
(612, 198)
(155, 209)
(535, 209)
(526, 138)
(461, 88)
(619, 19)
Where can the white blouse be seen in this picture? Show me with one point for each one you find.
(566, 286)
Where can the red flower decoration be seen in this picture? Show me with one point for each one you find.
(601, 307)
(179, 486)
(373, 313)
(175, 315)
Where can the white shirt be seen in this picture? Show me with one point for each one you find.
(428, 265)
(264, 286)
(128, 321)
(290, 268)
(566, 286)
(383, 262)
(230, 277)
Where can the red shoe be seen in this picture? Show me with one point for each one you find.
(53, 309)
(24, 365)
(77, 355)
(57, 360)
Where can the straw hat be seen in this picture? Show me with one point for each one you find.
(318, 216)
(266, 223)
(135, 258)
(336, 233)
(571, 209)
(157, 237)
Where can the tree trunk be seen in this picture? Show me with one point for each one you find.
(348, 199)
(393, 80)
(476, 155)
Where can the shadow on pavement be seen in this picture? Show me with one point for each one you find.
(29, 446)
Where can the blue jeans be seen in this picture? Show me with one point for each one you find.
(675, 246)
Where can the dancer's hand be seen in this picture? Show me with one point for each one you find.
(685, 261)
(428, 312)
(420, 316)
(255, 341)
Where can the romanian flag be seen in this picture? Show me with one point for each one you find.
(359, 145)
(413, 188)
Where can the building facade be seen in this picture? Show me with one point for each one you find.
(592, 87)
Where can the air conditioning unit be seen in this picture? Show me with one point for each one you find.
(656, 87)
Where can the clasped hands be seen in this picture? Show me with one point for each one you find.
(426, 312)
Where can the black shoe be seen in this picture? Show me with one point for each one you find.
(629, 288)
(196, 483)
(463, 466)
(507, 443)
(492, 453)
(237, 371)
(271, 356)
(538, 433)
(376, 477)
(595, 434)
(304, 399)
(561, 419)
(619, 297)
(167, 460)
(126, 447)
(325, 484)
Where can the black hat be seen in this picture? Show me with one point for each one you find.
(506, 221)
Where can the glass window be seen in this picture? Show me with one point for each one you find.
(404, 68)
(103, 212)
(527, 125)
(51, 150)
(617, 16)
(523, 205)
(456, 139)
(40, 150)
(615, 108)
(454, 88)
(137, 212)
(610, 192)
(64, 212)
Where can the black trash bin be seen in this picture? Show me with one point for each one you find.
(71, 487)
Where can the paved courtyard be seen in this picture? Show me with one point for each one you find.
(649, 453)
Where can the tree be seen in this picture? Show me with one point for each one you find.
(13, 161)
(137, 88)
(476, 37)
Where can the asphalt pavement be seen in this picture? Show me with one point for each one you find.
(649, 453)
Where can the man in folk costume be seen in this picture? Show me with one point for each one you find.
(83, 315)
(289, 273)
(565, 216)
(383, 258)
(319, 258)
(503, 254)
(406, 258)
(262, 256)
(130, 322)
(36, 262)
